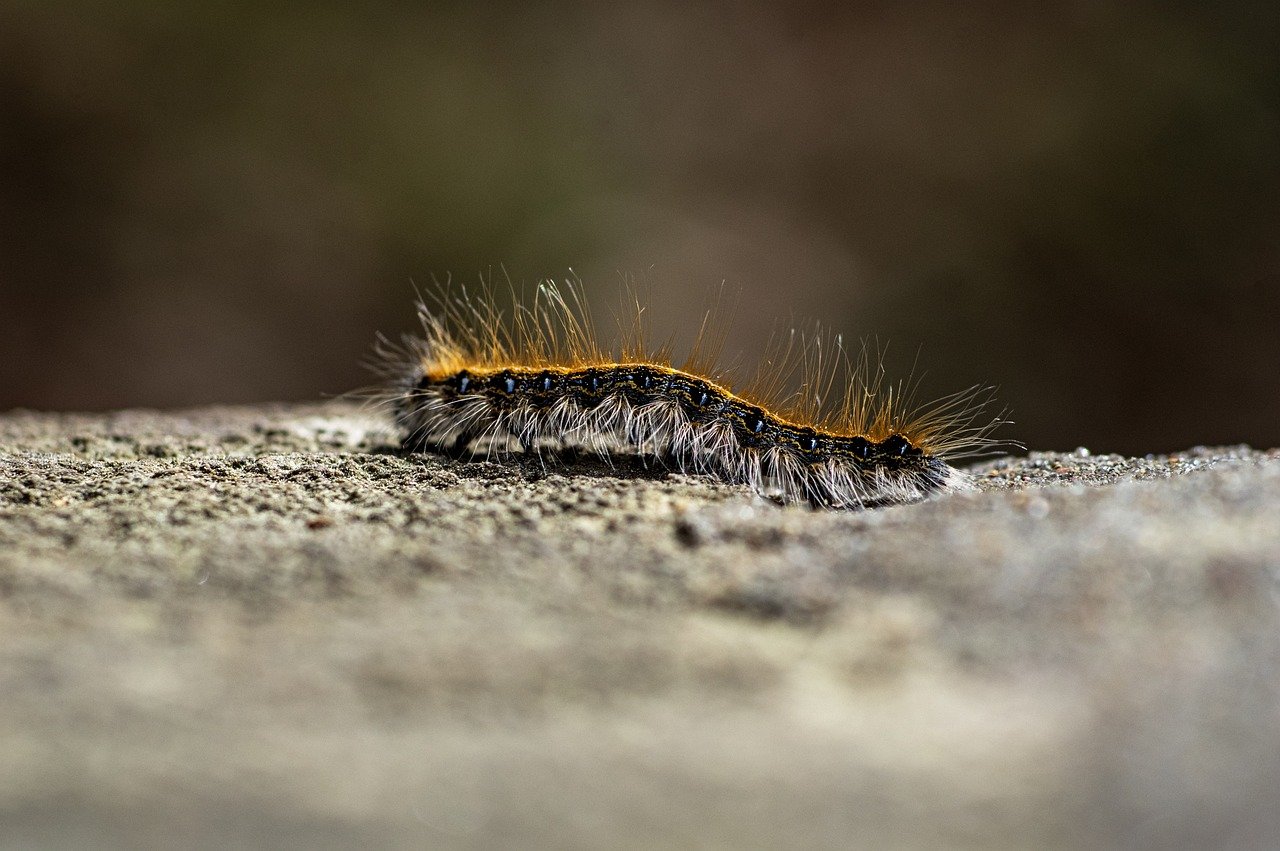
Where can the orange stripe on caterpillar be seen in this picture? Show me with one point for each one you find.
(538, 376)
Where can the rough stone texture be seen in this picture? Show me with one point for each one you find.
(265, 626)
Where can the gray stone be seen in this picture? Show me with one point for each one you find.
(264, 626)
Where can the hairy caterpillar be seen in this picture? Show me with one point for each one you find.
(537, 377)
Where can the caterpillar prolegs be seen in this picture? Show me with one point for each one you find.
(537, 377)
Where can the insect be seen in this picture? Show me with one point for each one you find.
(535, 377)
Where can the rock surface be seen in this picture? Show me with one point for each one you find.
(264, 626)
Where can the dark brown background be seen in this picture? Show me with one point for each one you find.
(1078, 202)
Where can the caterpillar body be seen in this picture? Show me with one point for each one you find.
(537, 377)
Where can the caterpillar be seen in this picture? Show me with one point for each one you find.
(536, 377)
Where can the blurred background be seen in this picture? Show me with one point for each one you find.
(1078, 202)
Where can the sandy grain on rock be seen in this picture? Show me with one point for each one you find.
(266, 626)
